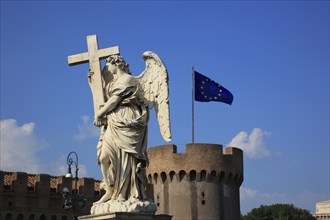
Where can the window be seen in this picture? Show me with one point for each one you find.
(213, 176)
(172, 174)
(163, 176)
(203, 175)
(182, 175)
(155, 177)
(192, 175)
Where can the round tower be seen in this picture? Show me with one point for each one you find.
(202, 183)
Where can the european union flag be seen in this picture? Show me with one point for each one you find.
(206, 90)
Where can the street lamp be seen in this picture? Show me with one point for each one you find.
(71, 200)
(70, 161)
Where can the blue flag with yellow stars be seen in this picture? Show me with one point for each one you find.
(206, 90)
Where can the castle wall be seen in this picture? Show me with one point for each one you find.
(29, 196)
(202, 183)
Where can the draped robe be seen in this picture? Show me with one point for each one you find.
(124, 140)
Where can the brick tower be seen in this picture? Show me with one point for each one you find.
(202, 183)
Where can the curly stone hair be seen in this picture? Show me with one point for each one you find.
(119, 61)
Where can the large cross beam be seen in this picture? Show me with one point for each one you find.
(94, 56)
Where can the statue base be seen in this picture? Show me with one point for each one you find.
(127, 206)
(126, 216)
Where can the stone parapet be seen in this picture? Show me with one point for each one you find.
(21, 182)
(207, 161)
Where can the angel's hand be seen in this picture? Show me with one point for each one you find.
(98, 121)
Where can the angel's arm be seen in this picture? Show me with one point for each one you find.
(110, 105)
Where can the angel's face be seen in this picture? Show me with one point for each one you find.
(112, 68)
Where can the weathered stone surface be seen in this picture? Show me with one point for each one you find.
(126, 216)
(94, 56)
(121, 107)
(113, 206)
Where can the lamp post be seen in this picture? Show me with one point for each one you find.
(70, 161)
(71, 200)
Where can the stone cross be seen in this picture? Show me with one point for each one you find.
(93, 56)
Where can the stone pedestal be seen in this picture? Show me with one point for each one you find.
(126, 206)
(125, 216)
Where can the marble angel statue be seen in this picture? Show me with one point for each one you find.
(122, 147)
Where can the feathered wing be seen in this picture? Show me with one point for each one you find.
(154, 81)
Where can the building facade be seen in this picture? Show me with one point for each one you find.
(322, 210)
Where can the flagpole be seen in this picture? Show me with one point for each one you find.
(192, 105)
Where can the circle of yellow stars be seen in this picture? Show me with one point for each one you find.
(210, 98)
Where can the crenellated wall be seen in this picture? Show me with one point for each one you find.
(39, 196)
(202, 183)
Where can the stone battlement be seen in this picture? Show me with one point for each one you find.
(21, 182)
(32, 196)
(200, 161)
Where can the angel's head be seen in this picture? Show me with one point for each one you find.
(119, 62)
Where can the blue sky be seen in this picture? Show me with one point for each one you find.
(272, 55)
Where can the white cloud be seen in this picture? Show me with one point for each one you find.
(61, 168)
(19, 147)
(304, 198)
(251, 198)
(253, 145)
(87, 129)
(246, 193)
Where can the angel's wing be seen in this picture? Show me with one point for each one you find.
(154, 81)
